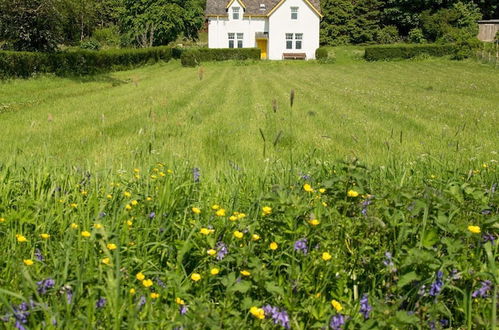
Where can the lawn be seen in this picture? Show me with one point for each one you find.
(266, 195)
(371, 111)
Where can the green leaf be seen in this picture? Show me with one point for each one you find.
(274, 289)
(242, 287)
(407, 279)
(430, 238)
(403, 317)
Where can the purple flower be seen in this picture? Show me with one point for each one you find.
(388, 262)
(279, 316)
(365, 204)
(436, 287)
(102, 214)
(160, 282)
(183, 309)
(365, 308)
(301, 245)
(305, 177)
(483, 291)
(45, 285)
(152, 215)
(142, 301)
(337, 321)
(101, 302)
(444, 323)
(39, 255)
(488, 237)
(196, 174)
(222, 250)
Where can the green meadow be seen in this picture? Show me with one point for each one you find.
(254, 195)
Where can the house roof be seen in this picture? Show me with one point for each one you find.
(252, 7)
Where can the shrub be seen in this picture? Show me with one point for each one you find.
(90, 44)
(376, 53)
(80, 62)
(109, 36)
(325, 55)
(417, 36)
(177, 52)
(194, 56)
(388, 35)
(466, 47)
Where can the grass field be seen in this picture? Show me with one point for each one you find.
(372, 111)
(148, 199)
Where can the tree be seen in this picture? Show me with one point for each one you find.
(30, 25)
(366, 21)
(337, 22)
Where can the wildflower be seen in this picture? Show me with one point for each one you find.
(129, 223)
(109, 196)
(222, 250)
(266, 210)
(326, 256)
(238, 234)
(127, 194)
(69, 294)
(483, 291)
(132, 291)
(196, 174)
(196, 210)
(148, 199)
(488, 237)
(474, 229)
(97, 226)
(147, 283)
(322, 190)
(179, 301)
(111, 246)
(314, 222)
(160, 282)
(301, 246)
(436, 286)
(136, 170)
(211, 252)
(215, 207)
(45, 285)
(39, 255)
(273, 246)
(154, 295)
(279, 316)
(134, 203)
(245, 273)
(195, 277)
(140, 276)
(169, 171)
(388, 262)
(152, 215)
(106, 261)
(183, 309)
(233, 218)
(365, 308)
(206, 231)
(2, 220)
(308, 188)
(337, 321)
(73, 205)
(86, 234)
(142, 301)
(255, 237)
(21, 239)
(45, 236)
(74, 226)
(336, 304)
(257, 312)
(220, 213)
(101, 302)
(214, 271)
(365, 205)
(352, 193)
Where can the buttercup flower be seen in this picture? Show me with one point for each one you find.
(352, 193)
(140, 276)
(28, 262)
(314, 222)
(74, 226)
(45, 236)
(257, 312)
(245, 273)
(111, 246)
(21, 239)
(255, 237)
(86, 234)
(195, 277)
(106, 261)
(214, 271)
(266, 210)
(132, 291)
(474, 229)
(220, 213)
(238, 234)
(154, 295)
(206, 231)
(308, 188)
(211, 252)
(196, 210)
(147, 283)
(179, 301)
(215, 207)
(326, 256)
(273, 246)
(336, 304)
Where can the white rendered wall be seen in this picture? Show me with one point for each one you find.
(220, 27)
(280, 23)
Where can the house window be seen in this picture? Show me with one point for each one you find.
(294, 12)
(289, 40)
(240, 40)
(235, 12)
(298, 40)
(231, 40)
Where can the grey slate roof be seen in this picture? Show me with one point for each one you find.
(217, 7)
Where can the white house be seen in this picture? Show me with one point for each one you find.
(280, 28)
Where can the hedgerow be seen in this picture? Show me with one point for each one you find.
(376, 53)
(194, 56)
(80, 62)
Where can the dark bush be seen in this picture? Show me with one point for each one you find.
(376, 53)
(321, 53)
(194, 56)
(80, 62)
(90, 44)
(466, 47)
(177, 52)
(388, 35)
(325, 55)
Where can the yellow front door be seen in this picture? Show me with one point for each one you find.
(262, 44)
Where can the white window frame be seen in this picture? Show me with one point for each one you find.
(236, 11)
(289, 40)
(294, 13)
(232, 39)
(299, 40)
(240, 38)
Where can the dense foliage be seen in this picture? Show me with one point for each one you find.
(343, 246)
(194, 56)
(376, 53)
(82, 62)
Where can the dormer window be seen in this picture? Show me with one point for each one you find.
(263, 7)
(235, 12)
(294, 13)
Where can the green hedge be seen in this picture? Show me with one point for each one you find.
(194, 56)
(80, 62)
(376, 53)
(325, 55)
